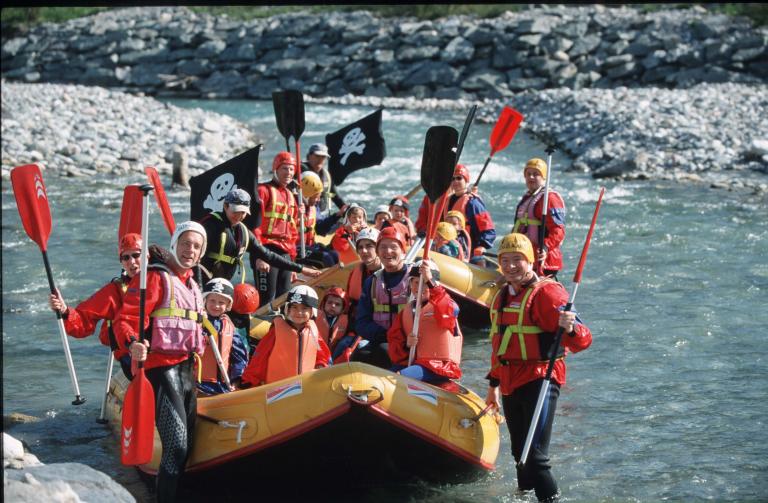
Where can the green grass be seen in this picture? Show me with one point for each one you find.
(15, 18)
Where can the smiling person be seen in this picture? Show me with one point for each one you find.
(525, 316)
(173, 316)
(230, 239)
(528, 216)
(81, 321)
(384, 294)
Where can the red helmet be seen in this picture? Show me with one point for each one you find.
(391, 233)
(246, 299)
(336, 291)
(283, 158)
(461, 171)
(130, 241)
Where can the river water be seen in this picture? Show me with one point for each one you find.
(668, 403)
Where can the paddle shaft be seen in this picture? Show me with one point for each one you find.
(413, 191)
(485, 165)
(107, 381)
(544, 391)
(144, 252)
(219, 361)
(545, 206)
(79, 399)
(503, 131)
(301, 203)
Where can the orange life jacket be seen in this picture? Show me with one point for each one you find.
(294, 353)
(331, 335)
(460, 205)
(210, 369)
(514, 336)
(279, 223)
(435, 342)
(310, 219)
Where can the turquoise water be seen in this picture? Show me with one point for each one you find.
(667, 404)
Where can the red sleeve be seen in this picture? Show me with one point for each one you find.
(546, 311)
(396, 337)
(256, 371)
(103, 305)
(339, 242)
(323, 354)
(446, 310)
(263, 194)
(421, 219)
(483, 221)
(126, 324)
(555, 230)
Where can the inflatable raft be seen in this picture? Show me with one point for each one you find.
(468, 285)
(352, 418)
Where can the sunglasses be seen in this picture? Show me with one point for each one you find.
(457, 178)
(125, 258)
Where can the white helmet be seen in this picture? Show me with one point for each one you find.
(219, 286)
(351, 207)
(369, 233)
(183, 227)
(302, 294)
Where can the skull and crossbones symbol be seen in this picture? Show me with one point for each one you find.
(352, 143)
(219, 188)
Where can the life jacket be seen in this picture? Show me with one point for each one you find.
(294, 353)
(279, 217)
(514, 336)
(121, 284)
(332, 334)
(465, 244)
(460, 205)
(388, 302)
(220, 256)
(310, 219)
(355, 283)
(346, 255)
(176, 324)
(223, 340)
(435, 342)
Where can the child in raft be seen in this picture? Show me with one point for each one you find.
(445, 241)
(438, 346)
(218, 329)
(355, 219)
(292, 345)
(334, 324)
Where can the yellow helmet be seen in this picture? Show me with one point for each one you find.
(460, 216)
(517, 243)
(537, 164)
(447, 231)
(310, 184)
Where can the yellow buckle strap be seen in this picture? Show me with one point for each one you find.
(518, 329)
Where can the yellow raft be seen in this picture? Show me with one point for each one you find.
(347, 418)
(469, 285)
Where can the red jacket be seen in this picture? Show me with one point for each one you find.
(447, 310)
(126, 323)
(81, 321)
(545, 312)
(256, 372)
(342, 243)
(282, 234)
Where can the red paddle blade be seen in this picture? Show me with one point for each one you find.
(130, 215)
(162, 201)
(137, 433)
(505, 129)
(32, 201)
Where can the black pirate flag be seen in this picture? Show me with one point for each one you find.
(209, 188)
(357, 146)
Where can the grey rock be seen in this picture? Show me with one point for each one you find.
(541, 24)
(523, 84)
(584, 45)
(195, 67)
(431, 72)
(261, 88)
(13, 46)
(618, 60)
(380, 90)
(383, 56)
(458, 50)
(131, 44)
(417, 53)
(750, 54)
(483, 79)
(63, 482)
(478, 35)
(211, 49)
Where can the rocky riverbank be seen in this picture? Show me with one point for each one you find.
(85, 131)
(25, 478)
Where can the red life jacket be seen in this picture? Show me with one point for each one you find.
(514, 336)
(310, 219)
(279, 224)
(435, 342)
(344, 246)
(106, 332)
(287, 358)
(176, 324)
(331, 335)
(355, 282)
(210, 369)
(460, 205)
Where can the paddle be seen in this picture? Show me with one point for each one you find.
(213, 334)
(162, 200)
(32, 202)
(289, 115)
(506, 126)
(137, 434)
(130, 222)
(558, 337)
(545, 205)
(437, 165)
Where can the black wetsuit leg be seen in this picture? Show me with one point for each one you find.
(518, 410)
(175, 413)
(273, 283)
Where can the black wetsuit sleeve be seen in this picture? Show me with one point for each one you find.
(258, 251)
(323, 226)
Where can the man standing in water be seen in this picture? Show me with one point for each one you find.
(525, 315)
(529, 213)
(174, 303)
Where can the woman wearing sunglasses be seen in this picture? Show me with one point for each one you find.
(81, 321)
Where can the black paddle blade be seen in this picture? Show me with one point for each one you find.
(438, 161)
(289, 113)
